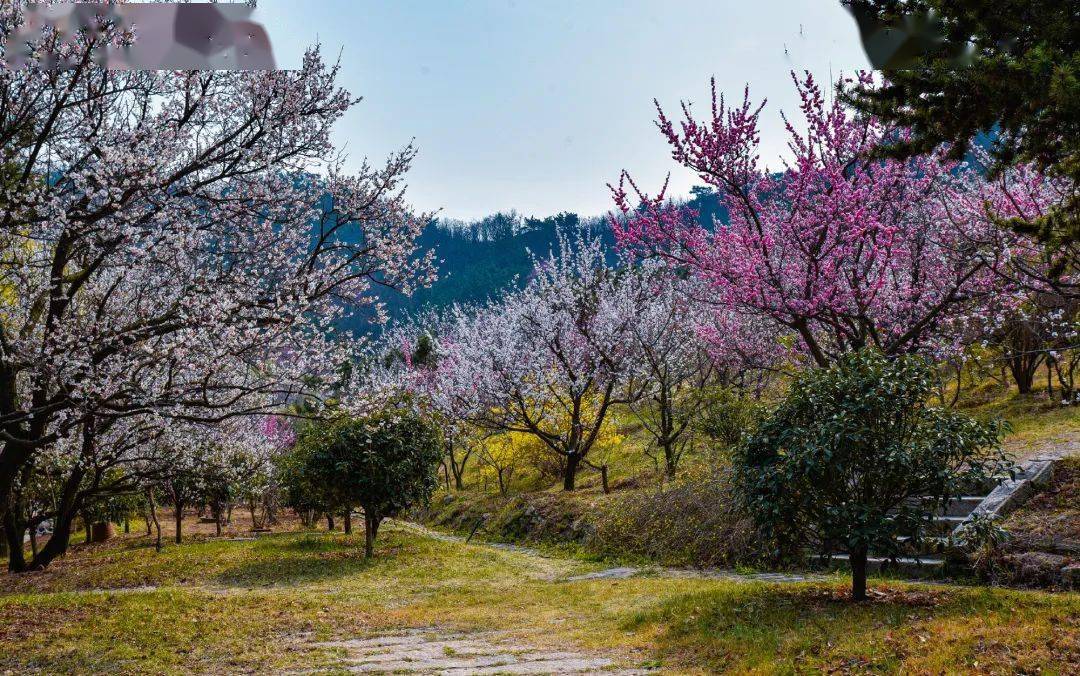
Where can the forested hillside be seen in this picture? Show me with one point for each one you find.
(478, 259)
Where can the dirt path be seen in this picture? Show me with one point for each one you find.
(623, 572)
(434, 651)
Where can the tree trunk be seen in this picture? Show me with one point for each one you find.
(33, 544)
(1023, 369)
(154, 517)
(572, 461)
(329, 522)
(603, 479)
(89, 536)
(127, 524)
(218, 514)
(858, 573)
(369, 535)
(179, 519)
(66, 510)
(59, 541)
(14, 456)
(3, 544)
(346, 520)
(13, 533)
(671, 461)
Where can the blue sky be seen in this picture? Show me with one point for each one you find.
(535, 105)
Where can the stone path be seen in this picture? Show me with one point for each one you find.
(448, 537)
(431, 651)
(624, 572)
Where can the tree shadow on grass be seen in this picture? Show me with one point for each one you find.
(306, 559)
(792, 629)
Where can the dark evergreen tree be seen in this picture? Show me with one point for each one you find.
(1001, 73)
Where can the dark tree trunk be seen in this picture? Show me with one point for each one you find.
(13, 533)
(346, 520)
(671, 461)
(179, 519)
(369, 535)
(33, 544)
(153, 517)
(127, 524)
(3, 544)
(68, 507)
(570, 474)
(858, 574)
(329, 522)
(13, 459)
(58, 543)
(603, 479)
(1023, 367)
(218, 514)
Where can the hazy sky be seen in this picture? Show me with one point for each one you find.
(535, 105)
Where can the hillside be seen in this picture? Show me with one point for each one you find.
(478, 259)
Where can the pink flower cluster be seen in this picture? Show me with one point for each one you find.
(838, 248)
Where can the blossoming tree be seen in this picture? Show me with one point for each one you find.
(549, 360)
(179, 243)
(841, 250)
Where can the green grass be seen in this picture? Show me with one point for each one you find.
(233, 605)
(1038, 423)
(216, 606)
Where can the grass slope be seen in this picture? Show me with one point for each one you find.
(228, 605)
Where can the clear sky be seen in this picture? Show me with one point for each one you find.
(535, 105)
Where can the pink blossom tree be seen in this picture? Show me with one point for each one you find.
(841, 250)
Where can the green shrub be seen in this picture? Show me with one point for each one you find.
(384, 463)
(727, 416)
(854, 457)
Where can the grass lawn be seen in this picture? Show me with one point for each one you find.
(227, 605)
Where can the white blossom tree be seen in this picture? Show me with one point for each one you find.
(667, 387)
(550, 359)
(181, 244)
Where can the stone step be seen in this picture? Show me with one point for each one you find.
(932, 545)
(963, 506)
(911, 566)
(945, 525)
